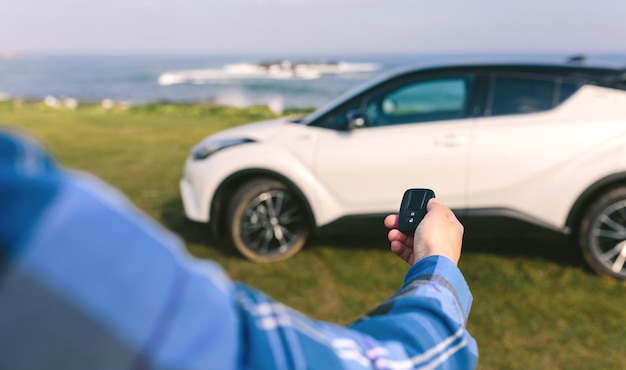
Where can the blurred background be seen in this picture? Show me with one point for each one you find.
(137, 51)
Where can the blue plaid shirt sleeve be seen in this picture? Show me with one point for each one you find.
(89, 282)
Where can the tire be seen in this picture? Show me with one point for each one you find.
(267, 221)
(602, 234)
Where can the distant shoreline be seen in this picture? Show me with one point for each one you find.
(212, 79)
(167, 107)
(7, 55)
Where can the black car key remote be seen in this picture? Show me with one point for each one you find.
(413, 209)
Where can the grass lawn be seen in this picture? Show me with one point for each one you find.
(536, 305)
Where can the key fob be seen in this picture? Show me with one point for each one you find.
(413, 209)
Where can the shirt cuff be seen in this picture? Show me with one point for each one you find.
(444, 272)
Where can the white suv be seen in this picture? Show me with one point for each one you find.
(535, 146)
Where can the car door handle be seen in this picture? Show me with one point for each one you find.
(451, 140)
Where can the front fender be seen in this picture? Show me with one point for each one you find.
(209, 177)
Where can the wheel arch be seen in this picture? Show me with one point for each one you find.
(589, 195)
(229, 186)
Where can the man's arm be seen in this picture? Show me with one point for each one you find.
(90, 282)
(422, 326)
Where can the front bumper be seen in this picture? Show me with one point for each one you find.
(190, 203)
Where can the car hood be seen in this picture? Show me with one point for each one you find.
(259, 131)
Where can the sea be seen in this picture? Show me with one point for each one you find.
(286, 81)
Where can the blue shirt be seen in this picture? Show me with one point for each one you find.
(89, 282)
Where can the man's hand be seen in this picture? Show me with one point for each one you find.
(439, 233)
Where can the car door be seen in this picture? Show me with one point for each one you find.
(525, 151)
(416, 133)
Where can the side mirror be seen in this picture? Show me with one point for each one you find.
(356, 119)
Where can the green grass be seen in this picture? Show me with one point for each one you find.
(536, 305)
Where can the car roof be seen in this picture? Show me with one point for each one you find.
(601, 75)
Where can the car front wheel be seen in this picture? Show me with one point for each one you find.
(268, 221)
(603, 234)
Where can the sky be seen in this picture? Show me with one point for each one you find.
(313, 26)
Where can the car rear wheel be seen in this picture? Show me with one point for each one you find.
(268, 221)
(602, 234)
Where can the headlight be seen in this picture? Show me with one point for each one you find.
(205, 149)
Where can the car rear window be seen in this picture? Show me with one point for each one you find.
(513, 95)
(566, 90)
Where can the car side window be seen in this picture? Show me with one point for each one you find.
(514, 95)
(419, 101)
